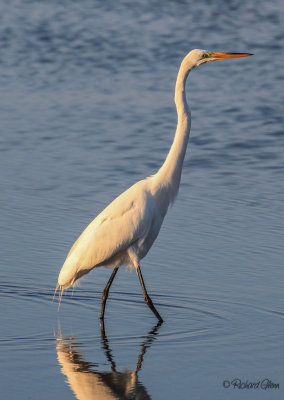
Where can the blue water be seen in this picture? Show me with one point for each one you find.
(86, 110)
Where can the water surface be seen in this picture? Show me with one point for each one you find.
(86, 110)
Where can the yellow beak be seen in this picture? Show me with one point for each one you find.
(222, 56)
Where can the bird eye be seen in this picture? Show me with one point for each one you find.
(206, 55)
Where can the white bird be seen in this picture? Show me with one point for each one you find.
(123, 233)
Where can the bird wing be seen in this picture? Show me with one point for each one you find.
(124, 221)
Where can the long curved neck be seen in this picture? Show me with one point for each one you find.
(166, 181)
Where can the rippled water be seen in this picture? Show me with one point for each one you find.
(86, 110)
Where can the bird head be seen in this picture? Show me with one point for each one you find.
(197, 57)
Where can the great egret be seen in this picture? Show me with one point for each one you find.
(123, 233)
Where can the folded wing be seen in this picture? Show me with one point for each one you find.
(125, 221)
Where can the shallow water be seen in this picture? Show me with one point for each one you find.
(86, 110)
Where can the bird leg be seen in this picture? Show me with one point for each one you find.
(105, 292)
(147, 299)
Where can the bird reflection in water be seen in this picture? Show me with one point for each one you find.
(89, 384)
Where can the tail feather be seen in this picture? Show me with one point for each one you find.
(55, 291)
(60, 294)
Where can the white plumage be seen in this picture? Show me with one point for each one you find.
(123, 233)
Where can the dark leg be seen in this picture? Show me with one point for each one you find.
(105, 292)
(146, 296)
